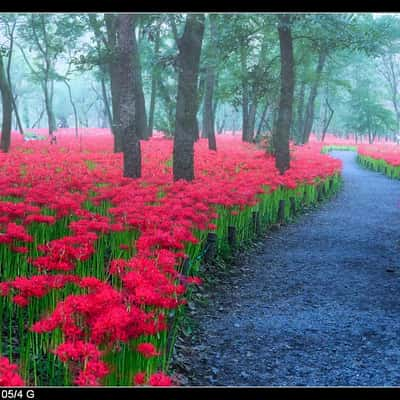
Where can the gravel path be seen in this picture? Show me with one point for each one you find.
(318, 304)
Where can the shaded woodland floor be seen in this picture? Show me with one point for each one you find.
(318, 302)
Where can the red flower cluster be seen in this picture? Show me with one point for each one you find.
(156, 379)
(9, 374)
(84, 359)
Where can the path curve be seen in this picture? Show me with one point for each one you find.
(318, 304)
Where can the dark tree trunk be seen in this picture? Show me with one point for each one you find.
(309, 117)
(282, 130)
(155, 77)
(187, 98)
(6, 100)
(141, 118)
(126, 99)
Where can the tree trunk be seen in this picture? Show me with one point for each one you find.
(6, 100)
(200, 95)
(49, 108)
(245, 95)
(187, 98)
(309, 117)
(254, 98)
(141, 118)
(107, 110)
(126, 99)
(15, 108)
(14, 102)
(331, 111)
(282, 130)
(115, 127)
(252, 120)
(115, 79)
(73, 107)
(208, 107)
(155, 77)
(261, 123)
(208, 112)
(300, 114)
(37, 122)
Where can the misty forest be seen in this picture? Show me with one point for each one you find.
(199, 199)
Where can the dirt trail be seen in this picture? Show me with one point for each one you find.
(318, 304)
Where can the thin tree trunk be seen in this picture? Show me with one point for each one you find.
(187, 98)
(208, 118)
(254, 98)
(245, 94)
(110, 45)
(331, 111)
(154, 83)
(261, 123)
(126, 100)
(14, 103)
(6, 100)
(39, 119)
(115, 81)
(309, 117)
(73, 107)
(49, 107)
(282, 131)
(208, 107)
(300, 113)
(141, 118)
(208, 115)
(200, 96)
(105, 101)
(252, 120)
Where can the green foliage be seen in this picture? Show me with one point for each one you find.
(367, 114)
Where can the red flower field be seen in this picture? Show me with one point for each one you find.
(91, 263)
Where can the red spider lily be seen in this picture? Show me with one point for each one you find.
(139, 379)
(9, 374)
(148, 350)
(156, 379)
(160, 379)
